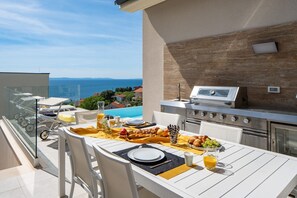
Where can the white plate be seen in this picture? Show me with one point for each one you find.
(135, 122)
(146, 155)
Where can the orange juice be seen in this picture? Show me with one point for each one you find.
(210, 161)
(100, 117)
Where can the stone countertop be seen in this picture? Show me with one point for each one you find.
(270, 115)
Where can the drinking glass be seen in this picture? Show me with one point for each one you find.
(118, 122)
(100, 115)
(173, 133)
(111, 123)
(189, 158)
(210, 158)
(173, 138)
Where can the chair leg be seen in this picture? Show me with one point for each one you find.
(72, 188)
(101, 188)
(95, 193)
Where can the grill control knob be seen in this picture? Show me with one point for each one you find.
(246, 120)
(212, 115)
(222, 116)
(194, 112)
(233, 118)
(202, 113)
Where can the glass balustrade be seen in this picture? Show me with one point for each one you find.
(22, 111)
(27, 119)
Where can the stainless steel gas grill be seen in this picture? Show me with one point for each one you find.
(222, 105)
(232, 97)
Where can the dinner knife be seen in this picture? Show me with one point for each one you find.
(157, 165)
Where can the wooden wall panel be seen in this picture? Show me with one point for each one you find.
(228, 60)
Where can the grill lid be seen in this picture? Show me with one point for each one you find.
(232, 97)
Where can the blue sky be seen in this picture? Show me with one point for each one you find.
(70, 38)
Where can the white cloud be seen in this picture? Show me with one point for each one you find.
(37, 37)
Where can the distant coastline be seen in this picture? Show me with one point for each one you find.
(90, 78)
(79, 88)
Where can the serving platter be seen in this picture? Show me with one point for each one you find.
(135, 122)
(206, 148)
(204, 143)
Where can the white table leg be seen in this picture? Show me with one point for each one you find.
(61, 167)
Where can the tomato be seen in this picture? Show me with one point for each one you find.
(123, 131)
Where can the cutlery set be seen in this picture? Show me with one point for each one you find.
(160, 164)
(173, 133)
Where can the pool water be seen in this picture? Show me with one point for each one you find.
(129, 112)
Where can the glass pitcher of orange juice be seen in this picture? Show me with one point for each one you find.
(210, 158)
(100, 115)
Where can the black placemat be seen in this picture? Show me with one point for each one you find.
(175, 160)
(147, 124)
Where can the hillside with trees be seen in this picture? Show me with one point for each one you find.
(126, 99)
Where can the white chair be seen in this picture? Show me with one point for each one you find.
(166, 119)
(82, 117)
(82, 171)
(223, 132)
(117, 175)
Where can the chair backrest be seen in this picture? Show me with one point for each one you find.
(80, 160)
(166, 119)
(82, 117)
(117, 175)
(228, 133)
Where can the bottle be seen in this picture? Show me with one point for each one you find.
(100, 115)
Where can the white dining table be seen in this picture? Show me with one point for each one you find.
(242, 171)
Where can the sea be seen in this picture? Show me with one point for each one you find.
(79, 88)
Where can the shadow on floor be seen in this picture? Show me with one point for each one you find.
(55, 146)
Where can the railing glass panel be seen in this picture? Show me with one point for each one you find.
(22, 114)
(22, 110)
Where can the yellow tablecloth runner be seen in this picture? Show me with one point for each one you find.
(114, 135)
(181, 145)
(93, 132)
(176, 171)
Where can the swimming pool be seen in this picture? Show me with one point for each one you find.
(129, 112)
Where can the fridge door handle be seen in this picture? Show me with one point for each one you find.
(273, 144)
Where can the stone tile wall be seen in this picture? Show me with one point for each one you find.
(229, 60)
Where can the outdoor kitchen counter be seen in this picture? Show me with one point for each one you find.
(270, 115)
